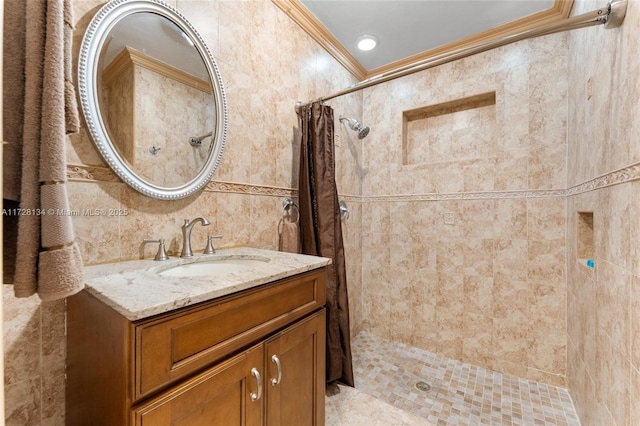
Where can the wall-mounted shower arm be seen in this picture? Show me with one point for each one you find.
(610, 16)
(197, 140)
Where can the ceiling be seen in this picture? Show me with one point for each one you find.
(406, 28)
(158, 37)
(413, 30)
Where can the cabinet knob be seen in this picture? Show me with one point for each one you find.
(256, 396)
(276, 361)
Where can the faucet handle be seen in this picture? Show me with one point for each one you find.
(209, 249)
(162, 252)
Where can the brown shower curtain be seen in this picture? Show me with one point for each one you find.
(321, 231)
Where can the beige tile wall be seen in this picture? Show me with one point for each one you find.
(119, 110)
(34, 360)
(166, 119)
(603, 324)
(488, 288)
(267, 63)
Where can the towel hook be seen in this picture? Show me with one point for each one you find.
(286, 206)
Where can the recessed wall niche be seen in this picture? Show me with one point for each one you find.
(457, 130)
(585, 249)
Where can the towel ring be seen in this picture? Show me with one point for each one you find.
(286, 206)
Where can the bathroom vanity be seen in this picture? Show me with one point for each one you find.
(236, 348)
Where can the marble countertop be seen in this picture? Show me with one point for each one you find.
(136, 290)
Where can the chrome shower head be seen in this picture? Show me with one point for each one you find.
(355, 125)
(363, 132)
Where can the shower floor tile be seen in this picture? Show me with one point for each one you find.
(459, 394)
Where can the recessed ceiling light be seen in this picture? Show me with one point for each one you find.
(367, 42)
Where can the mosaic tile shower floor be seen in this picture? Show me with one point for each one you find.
(461, 394)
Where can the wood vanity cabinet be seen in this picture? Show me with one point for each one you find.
(256, 357)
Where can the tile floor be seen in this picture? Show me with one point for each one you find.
(351, 407)
(459, 394)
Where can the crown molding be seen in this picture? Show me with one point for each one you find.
(312, 26)
(129, 57)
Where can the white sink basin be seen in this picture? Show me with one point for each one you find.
(212, 267)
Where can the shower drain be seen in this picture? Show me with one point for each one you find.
(423, 386)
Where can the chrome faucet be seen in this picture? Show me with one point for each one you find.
(186, 234)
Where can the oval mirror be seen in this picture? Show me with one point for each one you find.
(152, 97)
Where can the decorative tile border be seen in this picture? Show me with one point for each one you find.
(241, 188)
(348, 198)
(84, 173)
(630, 173)
(624, 175)
(486, 195)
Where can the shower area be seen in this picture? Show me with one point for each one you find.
(463, 209)
(458, 211)
(458, 192)
(456, 245)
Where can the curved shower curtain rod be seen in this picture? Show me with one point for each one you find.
(610, 16)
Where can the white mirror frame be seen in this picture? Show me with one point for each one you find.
(93, 41)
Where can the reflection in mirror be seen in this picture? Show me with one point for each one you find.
(156, 94)
(152, 97)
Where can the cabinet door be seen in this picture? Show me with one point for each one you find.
(228, 394)
(295, 383)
